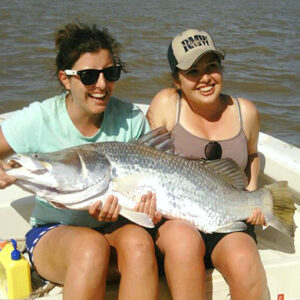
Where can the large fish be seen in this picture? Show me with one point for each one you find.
(211, 195)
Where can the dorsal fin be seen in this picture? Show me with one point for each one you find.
(159, 138)
(229, 170)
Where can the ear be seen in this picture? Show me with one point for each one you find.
(177, 84)
(64, 79)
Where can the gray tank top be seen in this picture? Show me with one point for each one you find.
(193, 147)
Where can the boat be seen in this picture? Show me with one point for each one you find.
(280, 254)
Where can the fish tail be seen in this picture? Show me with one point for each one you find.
(283, 207)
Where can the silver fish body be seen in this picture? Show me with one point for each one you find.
(209, 195)
(185, 189)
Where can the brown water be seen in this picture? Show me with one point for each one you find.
(261, 39)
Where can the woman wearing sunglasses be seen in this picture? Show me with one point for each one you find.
(73, 247)
(208, 124)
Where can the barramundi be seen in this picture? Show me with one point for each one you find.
(210, 194)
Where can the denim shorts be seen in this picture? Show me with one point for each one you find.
(34, 235)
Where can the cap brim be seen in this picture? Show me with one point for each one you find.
(196, 55)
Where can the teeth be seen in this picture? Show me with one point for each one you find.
(206, 88)
(98, 96)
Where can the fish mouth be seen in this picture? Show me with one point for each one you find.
(14, 164)
(20, 160)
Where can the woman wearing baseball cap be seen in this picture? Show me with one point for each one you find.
(206, 123)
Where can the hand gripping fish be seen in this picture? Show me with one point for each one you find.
(211, 195)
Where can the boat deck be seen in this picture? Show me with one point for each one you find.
(280, 254)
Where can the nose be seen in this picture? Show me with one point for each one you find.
(205, 78)
(101, 82)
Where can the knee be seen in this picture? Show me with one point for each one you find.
(246, 270)
(183, 242)
(137, 251)
(92, 250)
(140, 247)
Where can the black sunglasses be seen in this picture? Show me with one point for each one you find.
(213, 150)
(90, 76)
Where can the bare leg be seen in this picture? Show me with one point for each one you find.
(136, 262)
(184, 251)
(237, 258)
(76, 257)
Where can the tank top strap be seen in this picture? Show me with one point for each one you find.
(178, 108)
(237, 104)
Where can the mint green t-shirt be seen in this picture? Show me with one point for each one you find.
(46, 127)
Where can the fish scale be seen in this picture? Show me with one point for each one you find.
(186, 184)
(211, 195)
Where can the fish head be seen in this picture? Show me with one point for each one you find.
(76, 168)
(69, 170)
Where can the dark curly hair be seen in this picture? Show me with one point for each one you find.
(75, 39)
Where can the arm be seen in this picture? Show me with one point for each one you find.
(252, 171)
(5, 151)
(162, 109)
(251, 125)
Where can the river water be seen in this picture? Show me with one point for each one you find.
(261, 39)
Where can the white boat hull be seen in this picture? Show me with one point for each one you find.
(280, 254)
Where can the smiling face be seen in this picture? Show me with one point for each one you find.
(203, 82)
(89, 99)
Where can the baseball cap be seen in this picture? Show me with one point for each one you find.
(188, 47)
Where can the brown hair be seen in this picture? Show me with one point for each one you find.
(75, 39)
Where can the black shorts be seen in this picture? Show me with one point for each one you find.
(212, 239)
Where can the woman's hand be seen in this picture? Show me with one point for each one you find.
(109, 212)
(148, 205)
(257, 218)
(6, 180)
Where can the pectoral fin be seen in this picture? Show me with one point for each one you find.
(139, 218)
(124, 186)
(236, 226)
